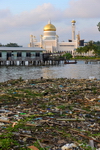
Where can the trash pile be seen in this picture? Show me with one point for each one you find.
(50, 114)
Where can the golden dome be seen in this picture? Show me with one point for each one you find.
(73, 21)
(49, 27)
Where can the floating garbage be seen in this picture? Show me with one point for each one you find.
(33, 147)
(61, 86)
(92, 77)
(53, 110)
(2, 124)
(68, 146)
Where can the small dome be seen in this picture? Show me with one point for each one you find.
(49, 27)
(73, 21)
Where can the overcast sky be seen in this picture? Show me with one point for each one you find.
(20, 18)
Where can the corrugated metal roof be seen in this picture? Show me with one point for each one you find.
(21, 49)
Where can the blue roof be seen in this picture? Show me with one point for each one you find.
(21, 49)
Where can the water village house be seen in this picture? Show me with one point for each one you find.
(21, 55)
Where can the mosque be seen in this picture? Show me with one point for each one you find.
(50, 40)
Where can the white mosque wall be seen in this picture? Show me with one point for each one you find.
(50, 43)
(66, 46)
(37, 44)
(49, 33)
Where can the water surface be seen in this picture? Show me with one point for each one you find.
(77, 71)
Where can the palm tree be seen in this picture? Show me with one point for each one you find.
(80, 50)
(89, 47)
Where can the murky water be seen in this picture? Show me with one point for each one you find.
(77, 71)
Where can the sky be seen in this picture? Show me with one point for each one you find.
(21, 18)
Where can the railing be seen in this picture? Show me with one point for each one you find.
(20, 59)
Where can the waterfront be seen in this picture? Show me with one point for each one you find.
(77, 71)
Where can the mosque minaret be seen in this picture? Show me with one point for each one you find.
(73, 29)
(50, 40)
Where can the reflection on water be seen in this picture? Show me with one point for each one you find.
(77, 71)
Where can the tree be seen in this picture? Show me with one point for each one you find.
(98, 26)
(0, 45)
(12, 45)
(97, 52)
(80, 50)
(67, 55)
(89, 47)
(97, 43)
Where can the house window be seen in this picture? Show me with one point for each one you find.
(8, 54)
(37, 54)
(28, 54)
(0, 54)
(19, 54)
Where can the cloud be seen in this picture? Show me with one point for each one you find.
(5, 13)
(35, 16)
(28, 21)
(83, 9)
(17, 28)
(5, 17)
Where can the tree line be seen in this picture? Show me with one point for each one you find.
(90, 46)
(10, 45)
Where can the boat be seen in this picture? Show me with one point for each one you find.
(70, 62)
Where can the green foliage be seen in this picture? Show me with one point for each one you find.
(97, 52)
(5, 144)
(80, 50)
(97, 43)
(20, 79)
(62, 107)
(67, 55)
(85, 146)
(36, 144)
(94, 90)
(91, 46)
(85, 57)
(98, 25)
(10, 45)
